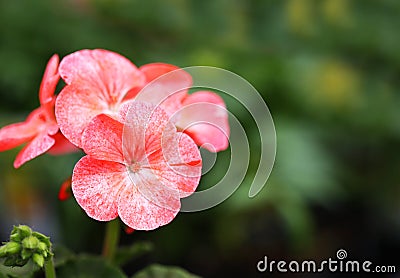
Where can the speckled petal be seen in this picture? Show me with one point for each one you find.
(102, 139)
(39, 145)
(96, 185)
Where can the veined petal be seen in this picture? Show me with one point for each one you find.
(96, 185)
(166, 86)
(144, 128)
(147, 211)
(102, 139)
(107, 73)
(205, 119)
(75, 107)
(49, 81)
(178, 164)
(39, 145)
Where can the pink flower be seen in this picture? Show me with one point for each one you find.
(137, 171)
(97, 82)
(101, 82)
(40, 129)
(202, 115)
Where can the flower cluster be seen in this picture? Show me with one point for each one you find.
(24, 245)
(139, 129)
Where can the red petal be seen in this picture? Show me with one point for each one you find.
(102, 139)
(129, 230)
(39, 145)
(167, 86)
(65, 190)
(96, 185)
(49, 81)
(62, 145)
(76, 106)
(14, 135)
(104, 72)
(204, 118)
(146, 211)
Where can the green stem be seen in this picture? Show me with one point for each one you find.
(49, 270)
(111, 239)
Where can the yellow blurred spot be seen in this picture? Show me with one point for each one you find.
(336, 84)
(300, 16)
(336, 12)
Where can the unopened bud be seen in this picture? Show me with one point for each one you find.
(12, 248)
(26, 254)
(42, 238)
(30, 242)
(38, 259)
(23, 230)
(42, 246)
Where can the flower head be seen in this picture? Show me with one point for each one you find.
(40, 129)
(137, 171)
(102, 82)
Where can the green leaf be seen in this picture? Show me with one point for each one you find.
(26, 271)
(162, 271)
(89, 267)
(129, 253)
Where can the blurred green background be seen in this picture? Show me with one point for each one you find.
(329, 71)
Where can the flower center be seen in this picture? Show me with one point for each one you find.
(134, 167)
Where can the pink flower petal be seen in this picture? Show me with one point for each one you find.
(49, 81)
(146, 211)
(102, 139)
(104, 72)
(14, 135)
(145, 126)
(76, 106)
(39, 145)
(205, 119)
(96, 185)
(178, 164)
(62, 145)
(167, 86)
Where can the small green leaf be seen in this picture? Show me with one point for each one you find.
(26, 254)
(126, 254)
(89, 267)
(162, 271)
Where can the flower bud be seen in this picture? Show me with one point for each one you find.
(26, 254)
(23, 230)
(12, 248)
(42, 246)
(30, 242)
(38, 259)
(42, 238)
